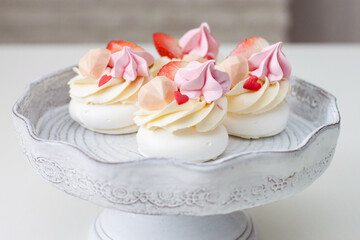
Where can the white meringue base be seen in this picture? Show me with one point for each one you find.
(258, 125)
(109, 119)
(186, 144)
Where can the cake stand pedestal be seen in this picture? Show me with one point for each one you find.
(165, 198)
(113, 224)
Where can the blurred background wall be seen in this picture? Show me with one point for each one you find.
(325, 21)
(64, 21)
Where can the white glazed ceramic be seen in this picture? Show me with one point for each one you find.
(109, 171)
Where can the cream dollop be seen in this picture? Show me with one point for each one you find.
(85, 89)
(199, 41)
(270, 95)
(271, 63)
(129, 64)
(196, 113)
(202, 79)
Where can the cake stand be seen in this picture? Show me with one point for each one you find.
(163, 198)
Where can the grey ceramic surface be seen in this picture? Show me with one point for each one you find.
(108, 170)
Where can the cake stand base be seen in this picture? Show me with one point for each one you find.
(116, 225)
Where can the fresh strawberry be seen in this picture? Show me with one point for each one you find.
(169, 70)
(167, 45)
(249, 46)
(180, 98)
(252, 84)
(104, 79)
(117, 45)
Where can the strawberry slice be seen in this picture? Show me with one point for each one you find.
(180, 98)
(104, 79)
(249, 46)
(252, 84)
(167, 45)
(169, 70)
(117, 45)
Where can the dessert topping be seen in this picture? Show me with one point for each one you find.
(252, 83)
(202, 79)
(200, 41)
(94, 62)
(180, 98)
(129, 64)
(169, 70)
(117, 45)
(167, 46)
(236, 66)
(157, 93)
(249, 46)
(104, 79)
(271, 63)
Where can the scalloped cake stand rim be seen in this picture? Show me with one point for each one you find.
(212, 163)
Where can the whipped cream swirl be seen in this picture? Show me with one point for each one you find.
(199, 41)
(85, 89)
(270, 95)
(194, 113)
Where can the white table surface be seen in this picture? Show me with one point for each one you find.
(328, 210)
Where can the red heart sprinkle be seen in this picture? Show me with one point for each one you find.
(252, 84)
(104, 79)
(180, 98)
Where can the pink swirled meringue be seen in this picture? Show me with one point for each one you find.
(271, 63)
(202, 79)
(129, 64)
(199, 41)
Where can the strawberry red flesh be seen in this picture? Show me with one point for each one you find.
(118, 45)
(249, 46)
(167, 46)
(104, 79)
(169, 70)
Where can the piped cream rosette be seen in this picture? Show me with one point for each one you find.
(85, 89)
(178, 119)
(195, 113)
(257, 100)
(104, 91)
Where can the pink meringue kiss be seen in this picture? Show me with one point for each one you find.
(94, 62)
(202, 79)
(129, 64)
(199, 41)
(157, 94)
(271, 63)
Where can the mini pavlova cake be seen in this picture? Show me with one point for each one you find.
(104, 91)
(181, 112)
(197, 44)
(260, 83)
